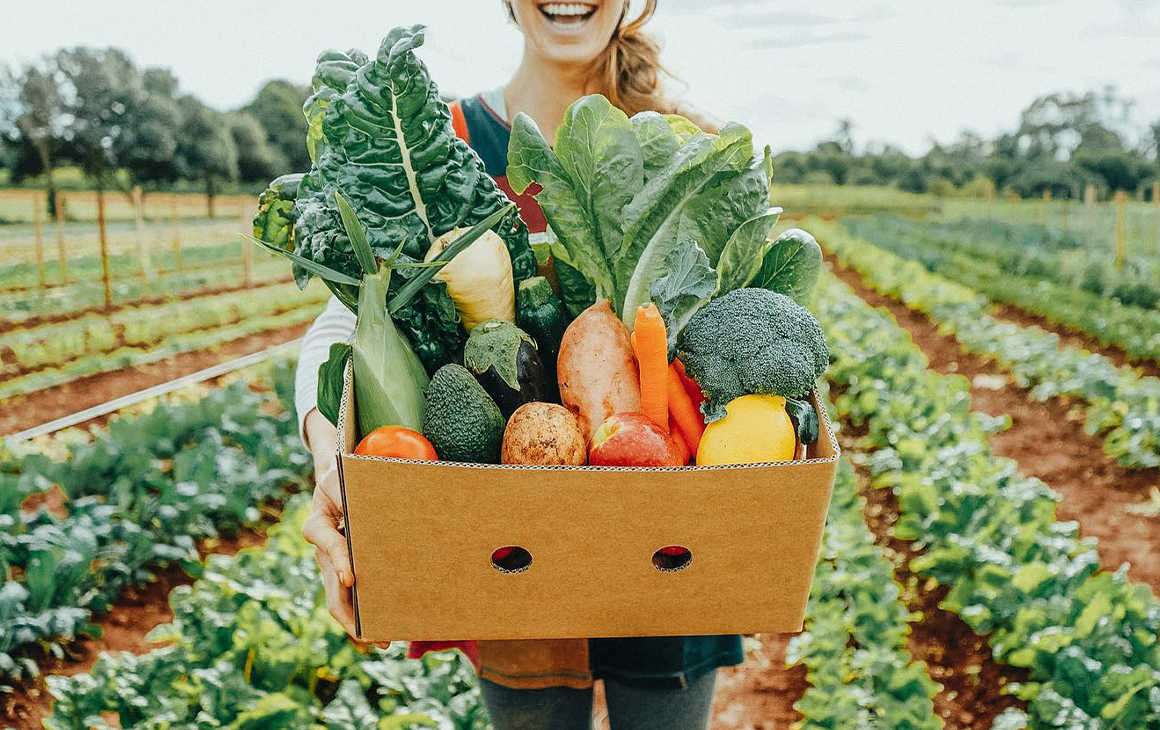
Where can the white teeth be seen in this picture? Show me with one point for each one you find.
(566, 9)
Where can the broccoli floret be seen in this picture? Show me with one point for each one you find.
(752, 341)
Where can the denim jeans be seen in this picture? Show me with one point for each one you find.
(629, 707)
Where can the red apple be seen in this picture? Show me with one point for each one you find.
(632, 439)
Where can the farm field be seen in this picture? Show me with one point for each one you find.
(991, 559)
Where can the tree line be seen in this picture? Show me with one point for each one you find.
(124, 126)
(1063, 143)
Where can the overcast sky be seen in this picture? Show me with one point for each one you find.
(905, 71)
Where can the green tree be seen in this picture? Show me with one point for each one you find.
(278, 108)
(147, 149)
(100, 89)
(258, 161)
(205, 148)
(32, 118)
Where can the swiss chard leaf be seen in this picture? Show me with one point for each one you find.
(791, 266)
(330, 381)
(382, 137)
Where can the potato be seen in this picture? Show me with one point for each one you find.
(543, 434)
(597, 369)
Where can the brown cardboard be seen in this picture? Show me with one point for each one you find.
(421, 535)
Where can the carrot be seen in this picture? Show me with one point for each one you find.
(651, 345)
(691, 386)
(679, 440)
(684, 414)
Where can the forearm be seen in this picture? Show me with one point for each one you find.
(335, 324)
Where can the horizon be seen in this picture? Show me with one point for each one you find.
(893, 92)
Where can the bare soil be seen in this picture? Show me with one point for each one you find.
(1047, 440)
(42, 406)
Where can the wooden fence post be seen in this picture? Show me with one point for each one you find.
(58, 220)
(104, 247)
(176, 232)
(142, 248)
(1089, 204)
(1121, 203)
(247, 247)
(1156, 205)
(36, 217)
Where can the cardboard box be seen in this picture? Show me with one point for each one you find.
(422, 535)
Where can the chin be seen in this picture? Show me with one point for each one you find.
(570, 32)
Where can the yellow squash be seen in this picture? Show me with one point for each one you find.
(755, 428)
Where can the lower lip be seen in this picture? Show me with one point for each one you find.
(568, 28)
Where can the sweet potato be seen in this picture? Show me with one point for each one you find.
(596, 368)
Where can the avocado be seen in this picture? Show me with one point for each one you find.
(460, 419)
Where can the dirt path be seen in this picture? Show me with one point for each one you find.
(1047, 441)
(124, 628)
(759, 694)
(42, 406)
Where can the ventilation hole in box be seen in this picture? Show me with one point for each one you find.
(511, 559)
(672, 558)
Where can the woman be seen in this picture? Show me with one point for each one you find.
(570, 49)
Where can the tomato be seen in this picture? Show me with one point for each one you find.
(396, 442)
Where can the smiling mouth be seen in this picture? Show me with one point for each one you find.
(567, 16)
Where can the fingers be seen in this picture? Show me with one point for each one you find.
(338, 598)
(328, 490)
(319, 530)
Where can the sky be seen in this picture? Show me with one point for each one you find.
(905, 72)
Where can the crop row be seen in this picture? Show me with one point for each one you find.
(136, 337)
(1034, 252)
(251, 646)
(134, 499)
(1133, 329)
(1088, 638)
(1121, 404)
(854, 645)
(52, 345)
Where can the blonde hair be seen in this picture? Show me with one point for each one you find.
(629, 70)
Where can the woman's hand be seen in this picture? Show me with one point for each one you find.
(321, 528)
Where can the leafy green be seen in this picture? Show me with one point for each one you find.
(791, 266)
(136, 497)
(1087, 638)
(1121, 404)
(380, 135)
(687, 286)
(805, 419)
(656, 183)
(331, 377)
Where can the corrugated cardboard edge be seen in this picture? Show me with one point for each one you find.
(342, 449)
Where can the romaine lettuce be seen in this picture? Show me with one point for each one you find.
(645, 201)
